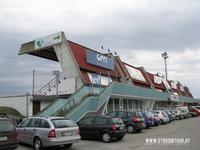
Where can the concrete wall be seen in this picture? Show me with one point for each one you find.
(68, 63)
(21, 103)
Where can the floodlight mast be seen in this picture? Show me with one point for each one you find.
(165, 56)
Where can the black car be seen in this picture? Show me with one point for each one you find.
(8, 134)
(133, 120)
(104, 128)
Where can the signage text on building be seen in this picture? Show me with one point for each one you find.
(49, 40)
(100, 60)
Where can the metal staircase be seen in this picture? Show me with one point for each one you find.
(61, 106)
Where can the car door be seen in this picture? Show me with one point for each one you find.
(22, 131)
(33, 129)
(99, 126)
(85, 127)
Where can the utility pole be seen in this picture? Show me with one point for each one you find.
(33, 88)
(165, 56)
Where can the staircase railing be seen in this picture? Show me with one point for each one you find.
(91, 103)
(75, 99)
(47, 87)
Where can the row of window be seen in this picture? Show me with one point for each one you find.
(39, 123)
(124, 104)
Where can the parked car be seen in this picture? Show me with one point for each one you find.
(195, 109)
(173, 114)
(169, 115)
(193, 114)
(48, 131)
(133, 120)
(8, 134)
(157, 120)
(162, 115)
(184, 111)
(178, 114)
(149, 119)
(11, 118)
(101, 127)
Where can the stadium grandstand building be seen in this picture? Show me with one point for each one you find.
(95, 83)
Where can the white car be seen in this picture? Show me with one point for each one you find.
(162, 115)
(178, 114)
(184, 111)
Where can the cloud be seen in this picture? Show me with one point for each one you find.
(138, 30)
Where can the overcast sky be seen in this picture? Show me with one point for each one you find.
(138, 30)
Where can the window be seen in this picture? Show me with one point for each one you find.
(130, 105)
(116, 104)
(122, 114)
(63, 123)
(113, 114)
(6, 126)
(24, 123)
(110, 105)
(117, 121)
(34, 122)
(86, 121)
(125, 106)
(44, 124)
(100, 121)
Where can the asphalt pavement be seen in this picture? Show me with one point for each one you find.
(178, 135)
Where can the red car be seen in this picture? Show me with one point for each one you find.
(195, 109)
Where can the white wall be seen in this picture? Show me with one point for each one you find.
(67, 86)
(19, 103)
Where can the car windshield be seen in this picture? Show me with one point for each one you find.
(5, 126)
(63, 123)
(117, 121)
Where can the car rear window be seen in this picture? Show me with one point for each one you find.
(117, 121)
(63, 123)
(6, 125)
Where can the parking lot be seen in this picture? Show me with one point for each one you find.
(187, 128)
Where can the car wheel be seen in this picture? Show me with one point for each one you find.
(68, 145)
(106, 137)
(37, 144)
(130, 129)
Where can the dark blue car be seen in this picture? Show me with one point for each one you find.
(149, 119)
(169, 115)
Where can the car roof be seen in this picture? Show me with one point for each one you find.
(47, 117)
(103, 116)
(4, 118)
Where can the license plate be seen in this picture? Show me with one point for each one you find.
(68, 133)
(4, 138)
(121, 127)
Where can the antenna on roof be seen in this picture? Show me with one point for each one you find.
(115, 53)
(102, 47)
(108, 50)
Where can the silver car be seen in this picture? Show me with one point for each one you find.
(48, 131)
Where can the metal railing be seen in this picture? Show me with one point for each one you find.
(51, 84)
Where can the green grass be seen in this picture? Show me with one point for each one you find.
(11, 111)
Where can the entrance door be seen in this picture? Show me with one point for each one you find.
(36, 107)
